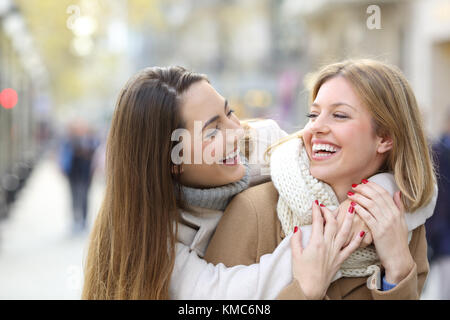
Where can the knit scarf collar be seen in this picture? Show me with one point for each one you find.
(289, 169)
(216, 198)
(297, 188)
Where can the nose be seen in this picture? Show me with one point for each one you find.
(234, 132)
(319, 125)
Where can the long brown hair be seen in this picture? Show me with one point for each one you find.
(132, 244)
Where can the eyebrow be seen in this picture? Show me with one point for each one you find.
(216, 117)
(336, 104)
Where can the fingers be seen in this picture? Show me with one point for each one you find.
(368, 218)
(398, 202)
(296, 241)
(317, 222)
(331, 224)
(352, 246)
(344, 231)
(369, 203)
(336, 212)
(367, 239)
(388, 199)
(377, 194)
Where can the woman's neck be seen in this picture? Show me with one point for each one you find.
(216, 197)
(341, 190)
(342, 185)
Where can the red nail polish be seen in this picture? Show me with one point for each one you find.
(322, 205)
(354, 185)
(361, 234)
(364, 181)
(351, 209)
(353, 204)
(295, 229)
(317, 202)
(350, 193)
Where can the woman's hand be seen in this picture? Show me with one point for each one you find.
(358, 224)
(315, 265)
(384, 216)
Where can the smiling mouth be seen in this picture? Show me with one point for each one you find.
(232, 159)
(324, 151)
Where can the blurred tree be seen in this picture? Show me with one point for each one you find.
(74, 39)
(143, 13)
(46, 20)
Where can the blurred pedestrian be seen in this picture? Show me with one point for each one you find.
(438, 226)
(76, 155)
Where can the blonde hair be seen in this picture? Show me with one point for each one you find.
(386, 93)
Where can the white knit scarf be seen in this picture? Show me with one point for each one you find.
(297, 188)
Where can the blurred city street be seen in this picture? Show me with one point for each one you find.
(63, 64)
(40, 257)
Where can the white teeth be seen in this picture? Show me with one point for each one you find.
(324, 147)
(232, 155)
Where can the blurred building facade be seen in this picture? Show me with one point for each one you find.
(412, 34)
(21, 127)
(257, 52)
(249, 51)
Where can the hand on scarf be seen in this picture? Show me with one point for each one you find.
(384, 216)
(315, 265)
(358, 224)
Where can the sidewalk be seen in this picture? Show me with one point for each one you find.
(39, 258)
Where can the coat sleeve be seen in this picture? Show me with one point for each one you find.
(410, 287)
(292, 292)
(235, 240)
(194, 278)
(234, 245)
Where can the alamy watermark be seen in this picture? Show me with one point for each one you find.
(374, 20)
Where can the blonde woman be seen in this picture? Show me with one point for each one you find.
(364, 120)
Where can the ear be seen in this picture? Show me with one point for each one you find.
(384, 144)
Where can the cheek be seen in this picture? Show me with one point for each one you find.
(306, 135)
(348, 132)
(209, 148)
(349, 135)
(213, 149)
(358, 140)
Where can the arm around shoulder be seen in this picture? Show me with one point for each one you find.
(194, 278)
(413, 219)
(235, 240)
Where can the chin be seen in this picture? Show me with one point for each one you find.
(240, 173)
(234, 174)
(321, 174)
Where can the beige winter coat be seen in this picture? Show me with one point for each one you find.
(250, 228)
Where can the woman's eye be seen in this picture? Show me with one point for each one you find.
(230, 112)
(212, 133)
(311, 115)
(340, 116)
